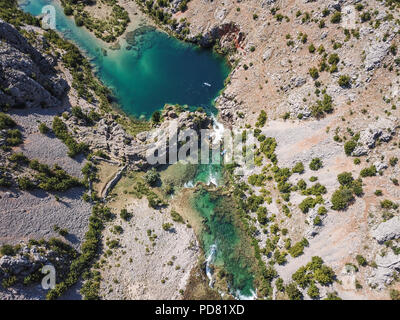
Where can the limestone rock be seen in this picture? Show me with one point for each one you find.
(27, 77)
(388, 230)
(383, 129)
(375, 54)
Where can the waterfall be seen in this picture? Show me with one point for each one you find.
(209, 261)
(219, 130)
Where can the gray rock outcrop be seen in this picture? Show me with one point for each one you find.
(388, 230)
(386, 267)
(382, 130)
(27, 77)
(29, 259)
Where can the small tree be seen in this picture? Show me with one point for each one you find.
(316, 164)
(125, 215)
(151, 177)
(156, 116)
(43, 129)
(293, 292)
(336, 17)
(344, 81)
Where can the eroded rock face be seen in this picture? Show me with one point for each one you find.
(27, 78)
(227, 33)
(386, 267)
(375, 54)
(382, 130)
(388, 230)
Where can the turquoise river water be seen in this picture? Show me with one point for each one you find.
(158, 69)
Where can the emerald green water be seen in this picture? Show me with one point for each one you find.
(223, 238)
(157, 69)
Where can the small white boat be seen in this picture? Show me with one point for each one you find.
(207, 84)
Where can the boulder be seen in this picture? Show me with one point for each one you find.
(387, 230)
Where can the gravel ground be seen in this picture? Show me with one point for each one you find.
(26, 215)
(33, 214)
(141, 273)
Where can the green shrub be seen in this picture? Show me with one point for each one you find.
(257, 180)
(125, 215)
(342, 198)
(317, 221)
(388, 204)
(309, 203)
(68, 10)
(9, 281)
(176, 217)
(324, 275)
(262, 215)
(298, 168)
(394, 294)
(313, 291)
(322, 211)
(368, 172)
(79, 21)
(332, 296)
(6, 122)
(13, 137)
(293, 292)
(7, 250)
(156, 117)
(302, 277)
(365, 16)
(334, 59)
(53, 179)
(19, 158)
(61, 132)
(167, 226)
(345, 179)
(25, 183)
(302, 185)
(322, 106)
(336, 17)
(361, 260)
(298, 248)
(344, 81)
(43, 129)
(313, 73)
(393, 161)
(316, 164)
(262, 118)
(280, 257)
(152, 177)
(10, 12)
(349, 147)
(316, 190)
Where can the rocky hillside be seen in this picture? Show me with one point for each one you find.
(318, 83)
(28, 77)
